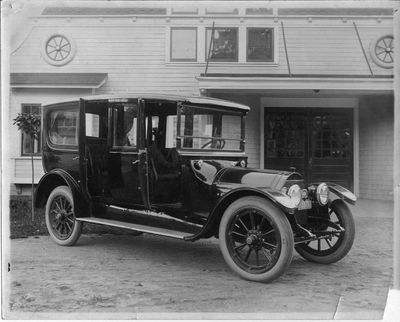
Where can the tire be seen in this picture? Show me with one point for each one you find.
(336, 247)
(60, 217)
(256, 239)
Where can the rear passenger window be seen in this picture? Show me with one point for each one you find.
(63, 127)
(124, 119)
(92, 125)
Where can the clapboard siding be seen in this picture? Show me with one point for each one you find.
(134, 59)
(311, 49)
(327, 51)
(376, 147)
(253, 135)
(23, 172)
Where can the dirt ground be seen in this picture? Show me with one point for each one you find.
(123, 276)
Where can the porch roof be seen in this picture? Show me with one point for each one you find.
(57, 80)
(296, 81)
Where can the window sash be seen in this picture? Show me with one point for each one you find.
(258, 45)
(125, 126)
(26, 140)
(64, 127)
(190, 48)
(217, 43)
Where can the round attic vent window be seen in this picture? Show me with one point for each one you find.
(382, 51)
(58, 50)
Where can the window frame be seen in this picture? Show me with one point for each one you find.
(25, 137)
(207, 43)
(242, 38)
(180, 137)
(195, 59)
(272, 60)
(63, 147)
(121, 148)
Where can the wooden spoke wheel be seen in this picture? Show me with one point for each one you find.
(256, 239)
(334, 245)
(60, 218)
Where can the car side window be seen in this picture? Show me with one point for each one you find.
(125, 122)
(63, 127)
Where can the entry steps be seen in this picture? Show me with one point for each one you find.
(145, 229)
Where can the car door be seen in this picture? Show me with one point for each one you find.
(127, 161)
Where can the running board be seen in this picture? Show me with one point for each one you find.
(145, 229)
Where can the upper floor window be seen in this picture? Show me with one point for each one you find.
(183, 44)
(63, 127)
(30, 145)
(224, 45)
(260, 45)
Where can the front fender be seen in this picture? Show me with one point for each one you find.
(281, 200)
(342, 193)
(59, 177)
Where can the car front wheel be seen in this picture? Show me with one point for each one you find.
(60, 217)
(337, 235)
(256, 239)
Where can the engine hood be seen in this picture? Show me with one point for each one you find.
(221, 172)
(256, 177)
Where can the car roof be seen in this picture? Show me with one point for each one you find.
(197, 100)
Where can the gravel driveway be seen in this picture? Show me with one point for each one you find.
(123, 276)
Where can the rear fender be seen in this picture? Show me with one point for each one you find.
(342, 193)
(58, 177)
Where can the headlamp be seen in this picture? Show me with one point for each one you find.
(322, 194)
(295, 194)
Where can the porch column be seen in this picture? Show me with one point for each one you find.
(392, 309)
(396, 176)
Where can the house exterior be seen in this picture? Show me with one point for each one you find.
(319, 80)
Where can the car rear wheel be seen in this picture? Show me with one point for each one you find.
(339, 230)
(256, 239)
(60, 217)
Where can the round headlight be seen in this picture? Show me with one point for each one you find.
(323, 194)
(295, 194)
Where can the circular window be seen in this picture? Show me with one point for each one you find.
(382, 51)
(58, 50)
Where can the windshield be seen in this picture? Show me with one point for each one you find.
(211, 129)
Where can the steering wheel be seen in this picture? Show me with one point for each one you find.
(219, 143)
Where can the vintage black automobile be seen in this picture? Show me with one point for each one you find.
(176, 166)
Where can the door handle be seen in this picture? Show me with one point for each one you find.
(134, 162)
(75, 158)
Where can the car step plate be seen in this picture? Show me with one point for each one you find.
(137, 227)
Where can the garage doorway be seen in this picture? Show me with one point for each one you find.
(316, 142)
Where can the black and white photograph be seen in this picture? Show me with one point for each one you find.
(200, 160)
